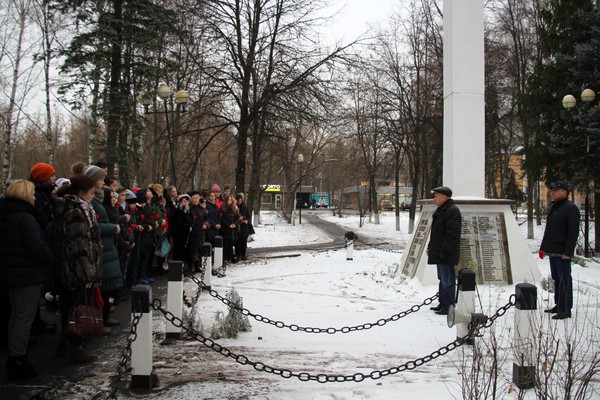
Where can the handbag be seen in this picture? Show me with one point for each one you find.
(85, 319)
(251, 229)
(163, 249)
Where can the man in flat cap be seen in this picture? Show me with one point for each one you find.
(560, 239)
(444, 245)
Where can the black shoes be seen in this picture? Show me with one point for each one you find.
(441, 312)
(552, 310)
(562, 315)
(436, 308)
(112, 322)
(19, 368)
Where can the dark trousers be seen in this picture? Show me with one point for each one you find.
(560, 271)
(240, 247)
(227, 250)
(447, 285)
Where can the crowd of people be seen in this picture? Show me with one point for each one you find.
(86, 237)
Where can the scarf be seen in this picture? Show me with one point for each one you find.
(88, 210)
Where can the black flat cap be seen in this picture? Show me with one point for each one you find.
(443, 190)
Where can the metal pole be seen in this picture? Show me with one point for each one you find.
(171, 151)
(587, 199)
(300, 202)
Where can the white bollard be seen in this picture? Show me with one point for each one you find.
(175, 297)
(207, 261)
(142, 376)
(349, 236)
(218, 261)
(525, 337)
(465, 303)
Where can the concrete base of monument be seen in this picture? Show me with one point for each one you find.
(492, 244)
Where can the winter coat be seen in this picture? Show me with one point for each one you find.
(228, 218)
(26, 257)
(77, 246)
(562, 229)
(44, 202)
(199, 218)
(213, 219)
(181, 224)
(149, 215)
(444, 242)
(111, 269)
(245, 221)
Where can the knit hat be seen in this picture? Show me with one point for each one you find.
(62, 181)
(94, 172)
(215, 188)
(41, 172)
(141, 196)
(130, 197)
(183, 196)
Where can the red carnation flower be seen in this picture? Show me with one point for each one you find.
(142, 216)
(97, 216)
(157, 216)
(129, 230)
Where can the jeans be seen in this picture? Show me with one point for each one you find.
(563, 283)
(447, 285)
(23, 307)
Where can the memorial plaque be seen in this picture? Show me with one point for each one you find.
(484, 247)
(418, 244)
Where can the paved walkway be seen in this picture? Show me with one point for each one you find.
(53, 373)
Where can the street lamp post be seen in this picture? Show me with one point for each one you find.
(300, 161)
(568, 102)
(164, 92)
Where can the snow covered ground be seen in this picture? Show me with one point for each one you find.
(321, 289)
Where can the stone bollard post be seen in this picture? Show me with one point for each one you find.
(218, 260)
(142, 376)
(207, 261)
(526, 332)
(349, 236)
(465, 303)
(175, 297)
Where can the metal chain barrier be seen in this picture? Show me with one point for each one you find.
(297, 328)
(192, 303)
(115, 381)
(474, 330)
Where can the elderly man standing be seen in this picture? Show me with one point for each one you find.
(560, 239)
(444, 245)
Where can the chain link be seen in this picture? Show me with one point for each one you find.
(192, 303)
(297, 328)
(474, 330)
(115, 381)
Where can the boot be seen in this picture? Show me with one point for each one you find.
(19, 368)
(77, 355)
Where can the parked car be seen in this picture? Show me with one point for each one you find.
(386, 205)
(322, 203)
(405, 206)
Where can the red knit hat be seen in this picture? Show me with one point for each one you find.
(41, 172)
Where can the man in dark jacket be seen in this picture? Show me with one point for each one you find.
(444, 245)
(560, 239)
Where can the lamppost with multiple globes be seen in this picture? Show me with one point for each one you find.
(300, 161)
(164, 92)
(569, 102)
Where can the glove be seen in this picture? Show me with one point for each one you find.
(541, 254)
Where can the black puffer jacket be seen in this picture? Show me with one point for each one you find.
(444, 243)
(562, 229)
(26, 257)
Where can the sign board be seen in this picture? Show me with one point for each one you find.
(483, 246)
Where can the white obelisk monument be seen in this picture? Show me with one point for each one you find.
(491, 242)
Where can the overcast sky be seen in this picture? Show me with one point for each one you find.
(356, 16)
